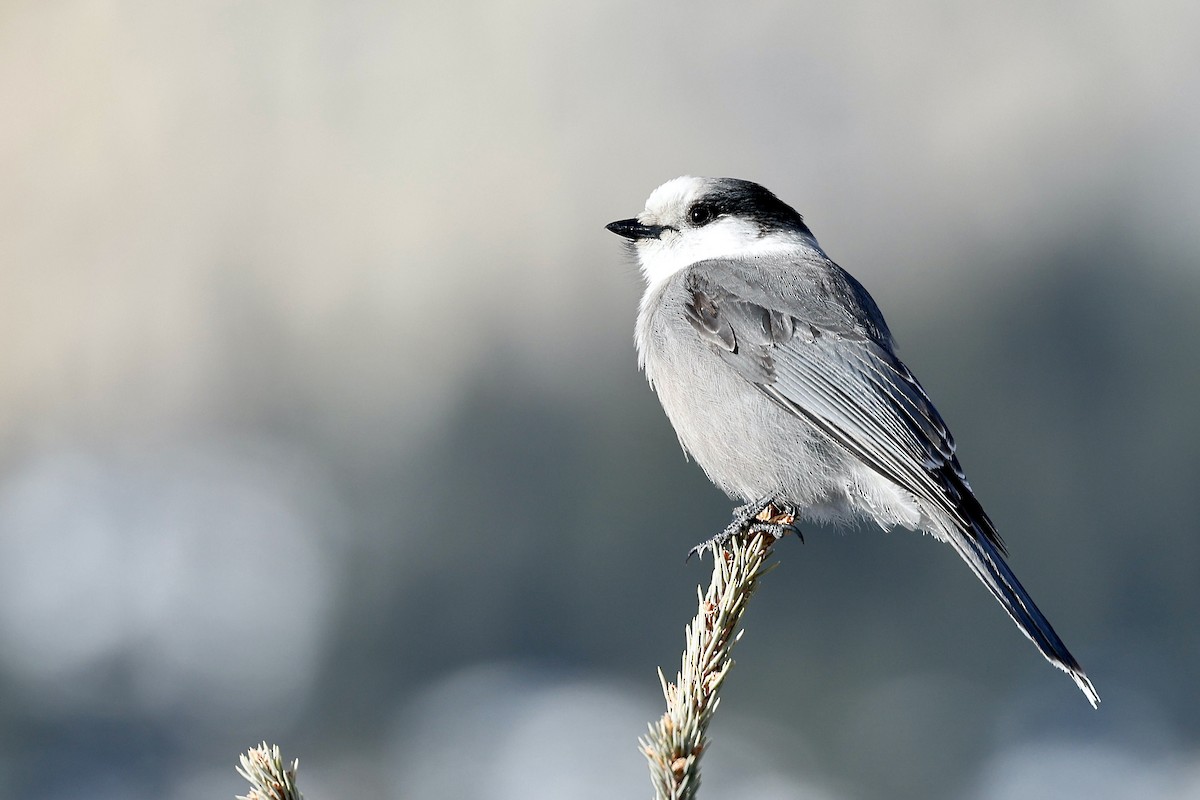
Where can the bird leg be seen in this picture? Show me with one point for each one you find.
(765, 515)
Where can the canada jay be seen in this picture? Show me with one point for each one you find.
(777, 370)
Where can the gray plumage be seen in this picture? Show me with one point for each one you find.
(777, 370)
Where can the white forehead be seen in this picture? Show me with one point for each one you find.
(676, 193)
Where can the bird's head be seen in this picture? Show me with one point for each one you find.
(696, 219)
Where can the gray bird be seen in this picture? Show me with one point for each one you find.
(779, 374)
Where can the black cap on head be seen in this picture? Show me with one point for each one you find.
(749, 200)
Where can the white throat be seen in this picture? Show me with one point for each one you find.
(661, 258)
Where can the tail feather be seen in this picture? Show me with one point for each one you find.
(987, 562)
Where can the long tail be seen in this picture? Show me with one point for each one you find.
(988, 564)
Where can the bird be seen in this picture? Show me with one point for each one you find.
(780, 376)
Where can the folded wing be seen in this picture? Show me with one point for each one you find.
(840, 374)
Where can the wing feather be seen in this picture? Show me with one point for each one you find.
(832, 363)
(843, 378)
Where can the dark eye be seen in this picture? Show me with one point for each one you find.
(700, 214)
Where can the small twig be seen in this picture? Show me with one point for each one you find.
(269, 780)
(675, 743)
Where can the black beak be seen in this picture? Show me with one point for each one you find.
(632, 229)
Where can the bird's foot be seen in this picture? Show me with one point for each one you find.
(768, 516)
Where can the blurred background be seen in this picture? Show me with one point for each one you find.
(320, 420)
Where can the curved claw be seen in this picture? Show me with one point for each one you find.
(749, 519)
(719, 540)
(776, 529)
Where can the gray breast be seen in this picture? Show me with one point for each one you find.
(747, 444)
